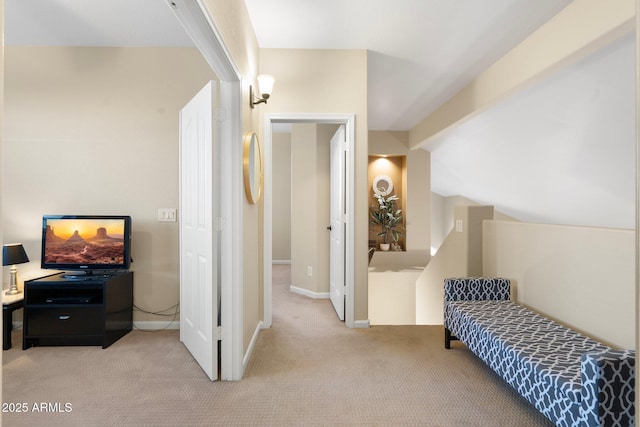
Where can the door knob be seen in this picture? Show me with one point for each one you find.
(329, 228)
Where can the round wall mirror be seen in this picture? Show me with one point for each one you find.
(252, 159)
(382, 185)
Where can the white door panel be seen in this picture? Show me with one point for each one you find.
(198, 247)
(337, 229)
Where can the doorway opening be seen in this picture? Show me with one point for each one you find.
(348, 120)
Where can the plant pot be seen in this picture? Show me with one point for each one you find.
(384, 246)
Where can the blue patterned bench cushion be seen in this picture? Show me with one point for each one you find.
(505, 330)
(572, 379)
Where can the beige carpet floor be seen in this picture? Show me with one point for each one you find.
(307, 370)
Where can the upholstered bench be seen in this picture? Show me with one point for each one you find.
(572, 379)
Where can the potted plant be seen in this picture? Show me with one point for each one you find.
(389, 218)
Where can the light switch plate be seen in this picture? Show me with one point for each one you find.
(167, 215)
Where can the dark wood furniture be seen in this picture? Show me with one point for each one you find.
(10, 303)
(60, 309)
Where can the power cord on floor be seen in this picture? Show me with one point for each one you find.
(174, 315)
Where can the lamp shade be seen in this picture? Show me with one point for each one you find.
(265, 84)
(13, 254)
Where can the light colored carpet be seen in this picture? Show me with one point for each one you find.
(307, 370)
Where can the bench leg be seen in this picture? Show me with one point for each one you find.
(447, 338)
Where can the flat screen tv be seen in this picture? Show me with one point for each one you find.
(88, 243)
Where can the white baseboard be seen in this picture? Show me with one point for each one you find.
(281, 261)
(155, 325)
(252, 344)
(361, 324)
(308, 293)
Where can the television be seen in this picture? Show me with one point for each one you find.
(86, 243)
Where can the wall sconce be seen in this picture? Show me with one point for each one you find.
(265, 86)
(13, 254)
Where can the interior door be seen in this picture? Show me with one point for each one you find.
(198, 239)
(337, 228)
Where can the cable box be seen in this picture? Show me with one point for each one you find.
(69, 300)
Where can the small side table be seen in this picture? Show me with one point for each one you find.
(10, 303)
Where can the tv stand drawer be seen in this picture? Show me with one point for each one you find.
(65, 321)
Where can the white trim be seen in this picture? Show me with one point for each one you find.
(232, 317)
(349, 121)
(198, 24)
(252, 345)
(308, 293)
(281, 261)
(267, 229)
(364, 324)
(156, 325)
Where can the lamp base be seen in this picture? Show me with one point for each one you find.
(13, 281)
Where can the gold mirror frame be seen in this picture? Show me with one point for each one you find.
(252, 165)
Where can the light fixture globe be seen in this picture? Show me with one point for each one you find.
(265, 87)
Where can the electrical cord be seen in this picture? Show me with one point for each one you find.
(174, 315)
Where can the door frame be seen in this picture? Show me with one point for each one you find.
(199, 25)
(348, 120)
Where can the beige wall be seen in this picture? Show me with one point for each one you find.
(583, 277)
(307, 207)
(418, 200)
(95, 131)
(310, 171)
(324, 133)
(460, 255)
(442, 214)
(281, 222)
(329, 81)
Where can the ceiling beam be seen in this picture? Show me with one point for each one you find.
(578, 30)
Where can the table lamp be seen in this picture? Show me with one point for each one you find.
(12, 254)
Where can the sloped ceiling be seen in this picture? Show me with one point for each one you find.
(421, 52)
(92, 23)
(561, 152)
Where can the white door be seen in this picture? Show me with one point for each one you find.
(337, 228)
(198, 239)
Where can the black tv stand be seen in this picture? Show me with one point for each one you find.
(92, 309)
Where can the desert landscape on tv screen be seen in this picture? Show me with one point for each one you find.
(84, 241)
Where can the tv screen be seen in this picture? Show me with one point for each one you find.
(86, 242)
